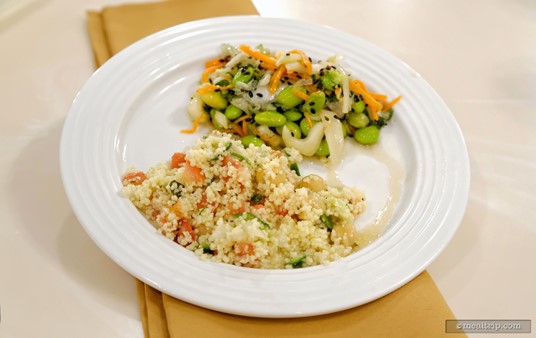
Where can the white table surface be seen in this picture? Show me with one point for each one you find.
(479, 55)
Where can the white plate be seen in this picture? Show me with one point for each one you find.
(130, 113)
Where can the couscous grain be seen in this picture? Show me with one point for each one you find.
(246, 206)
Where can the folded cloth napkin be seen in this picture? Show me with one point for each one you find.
(415, 310)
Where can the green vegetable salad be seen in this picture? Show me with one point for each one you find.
(287, 99)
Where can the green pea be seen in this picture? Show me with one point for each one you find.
(214, 100)
(358, 120)
(323, 149)
(232, 112)
(288, 99)
(314, 103)
(358, 106)
(270, 119)
(294, 129)
(252, 139)
(293, 115)
(367, 135)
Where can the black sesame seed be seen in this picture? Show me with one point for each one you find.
(313, 111)
(311, 103)
(259, 94)
(250, 94)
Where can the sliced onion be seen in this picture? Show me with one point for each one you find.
(233, 62)
(221, 120)
(268, 136)
(265, 79)
(283, 60)
(195, 107)
(307, 146)
(334, 137)
(295, 67)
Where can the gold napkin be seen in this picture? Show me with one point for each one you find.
(415, 310)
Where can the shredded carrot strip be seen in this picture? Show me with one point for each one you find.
(305, 60)
(338, 92)
(293, 77)
(215, 62)
(245, 127)
(268, 66)
(259, 56)
(375, 106)
(197, 122)
(313, 88)
(309, 121)
(237, 129)
(360, 84)
(208, 87)
(300, 94)
(378, 97)
(276, 78)
(241, 118)
(390, 105)
(208, 71)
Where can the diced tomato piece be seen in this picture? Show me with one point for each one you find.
(176, 209)
(177, 160)
(244, 248)
(135, 178)
(203, 203)
(185, 227)
(282, 212)
(232, 161)
(233, 209)
(192, 174)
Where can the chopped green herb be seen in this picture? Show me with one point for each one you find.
(240, 157)
(294, 167)
(298, 261)
(249, 216)
(206, 248)
(175, 188)
(327, 221)
(256, 198)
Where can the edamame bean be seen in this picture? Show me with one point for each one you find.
(288, 99)
(344, 128)
(214, 100)
(358, 120)
(293, 115)
(323, 149)
(251, 139)
(305, 127)
(232, 112)
(243, 75)
(314, 103)
(294, 129)
(270, 119)
(358, 106)
(367, 135)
